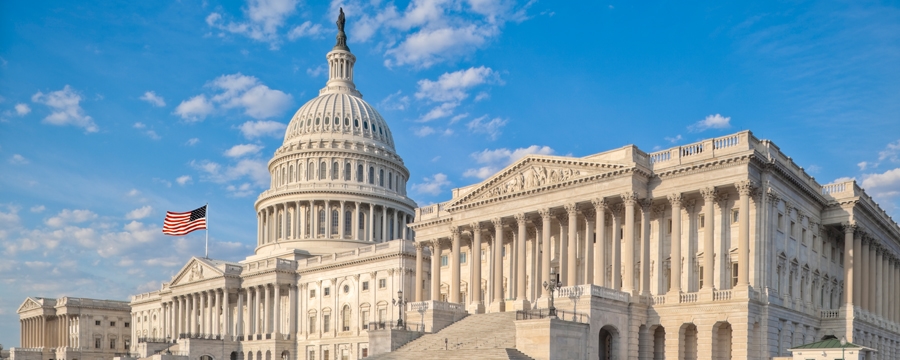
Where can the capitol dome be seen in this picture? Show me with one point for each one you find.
(337, 182)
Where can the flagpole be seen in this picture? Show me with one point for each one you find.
(207, 231)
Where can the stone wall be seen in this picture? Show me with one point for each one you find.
(551, 339)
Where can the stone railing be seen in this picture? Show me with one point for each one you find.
(830, 314)
(269, 264)
(706, 149)
(688, 298)
(431, 212)
(392, 246)
(419, 306)
(721, 295)
(608, 293)
(658, 300)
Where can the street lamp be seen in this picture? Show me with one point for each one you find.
(552, 285)
(400, 303)
(843, 345)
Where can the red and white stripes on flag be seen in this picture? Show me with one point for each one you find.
(182, 223)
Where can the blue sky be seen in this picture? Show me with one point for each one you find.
(112, 113)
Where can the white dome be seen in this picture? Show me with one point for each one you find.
(342, 115)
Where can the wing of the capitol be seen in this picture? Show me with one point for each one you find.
(721, 249)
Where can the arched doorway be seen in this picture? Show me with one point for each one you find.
(206, 357)
(688, 340)
(609, 338)
(659, 342)
(234, 355)
(721, 340)
(285, 355)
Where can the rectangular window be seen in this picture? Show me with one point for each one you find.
(503, 251)
(382, 283)
(325, 355)
(364, 318)
(312, 324)
(127, 324)
(112, 344)
(312, 293)
(701, 277)
(669, 226)
(97, 322)
(842, 258)
(443, 260)
(833, 253)
(326, 291)
(734, 274)
(97, 343)
(803, 236)
(326, 323)
(312, 355)
(701, 220)
(112, 323)
(792, 233)
(127, 343)
(462, 258)
(365, 352)
(382, 315)
(735, 215)
(781, 222)
(365, 285)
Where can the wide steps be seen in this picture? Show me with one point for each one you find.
(474, 332)
(464, 354)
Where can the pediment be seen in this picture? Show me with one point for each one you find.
(28, 304)
(534, 173)
(195, 270)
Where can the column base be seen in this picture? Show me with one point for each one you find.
(476, 308)
(542, 302)
(521, 304)
(498, 306)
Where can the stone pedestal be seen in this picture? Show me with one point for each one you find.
(498, 306)
(476, 308)
(705, 294)
(517, 304)
(551, 339)
(387, 340)
(432, 316)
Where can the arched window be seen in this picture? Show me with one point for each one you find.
(337, 121)
(359, 173)
(335, 170)
(372, 175)
(346, 121)
(348, 220)
(278, 225)
(283, 175)
(365, 125)
(345, 317)
(323, 171)
(381, 177)
(355, 122)
(311, 321)
(347, 172)
(311, 171)
(288, 225)
(390, 180)
(317, 121)
(321, 221)
(292, 173)
(335, 221)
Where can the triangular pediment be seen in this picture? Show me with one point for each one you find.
(533, 173)
(197, 269)
(28, 304)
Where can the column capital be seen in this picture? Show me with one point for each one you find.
(538, 225)
(709, 194)
(544, 213)
(589, 214)
(849, 227)
(675, 199)
(520, 219)
(498, 223)
(745, 187)
(599, 203)
(629, 198)
(420, 245)
(563, 218)
(645, 205)
(571, 209)
(476, 226)
(454, 230)
(660, 210)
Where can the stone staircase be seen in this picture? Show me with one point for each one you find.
(481, 336)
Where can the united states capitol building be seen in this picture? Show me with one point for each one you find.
(721, 249)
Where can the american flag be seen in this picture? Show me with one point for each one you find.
(182, 223)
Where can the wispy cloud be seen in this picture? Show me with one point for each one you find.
(482, 125)
(451, 88)
(432, 185)
(263, 20)
(716, 121)
(236, 91)
(65, 107)
(494, 160)
(262, 128)
(153, 99)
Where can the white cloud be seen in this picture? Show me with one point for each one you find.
(195, 108)
(139, 213)
(242, 190)
(22, 109)
(255, 129)
(423, 131)
(139, 125)
(17, 159)
(496, 159)
(862, 165)
(236, 91)
(153, 99)
(453, 86)
(65, 109)
(433, 185)
(67, 216)
(255, 169)
(319, 70)
(183, 180)
(133, 192)
(306, 29)
(38, 208)
(243, 149)
(264, 20)
(674, 139)
(192, 141)
(427, 47)
(885, 185)
(395, 101)
(890, 152)
(491, 127)
(440, 111)
(716, 121)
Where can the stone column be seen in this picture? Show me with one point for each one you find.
(371, 229)
(341, 221)
(403, 221)
(355, 223)
(436, 270)
(314, 219)
(328, 220)
(226, 314)
(675, 250)
(628, 251)
(571, 246)
(521, 299)
(252, 300)
(454, 265)
(744, 189)
(292, 313)
(588, 266)
(276, 308)
(545, 251)
(477, 306)
(267, 304)
(873, 275)
(498, 301)
(864, 291)
(384, 227)
(616, 276)
(645, 246)
(239, 326)
(215, 320)
(284, 222)
(600, 247)
(419, 272)
(851, 286)
(709, 254)
(879, 285)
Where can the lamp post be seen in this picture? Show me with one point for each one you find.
(843, 345)
(552, 285)
(400, 303)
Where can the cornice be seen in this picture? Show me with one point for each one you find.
(404, 201)
(355, 262)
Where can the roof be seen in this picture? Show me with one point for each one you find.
(829, 344)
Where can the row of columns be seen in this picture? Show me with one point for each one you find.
(286, 173)
(32, 331)
(279, 222)
(871, 273)
(595, 255)
(48, 331)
